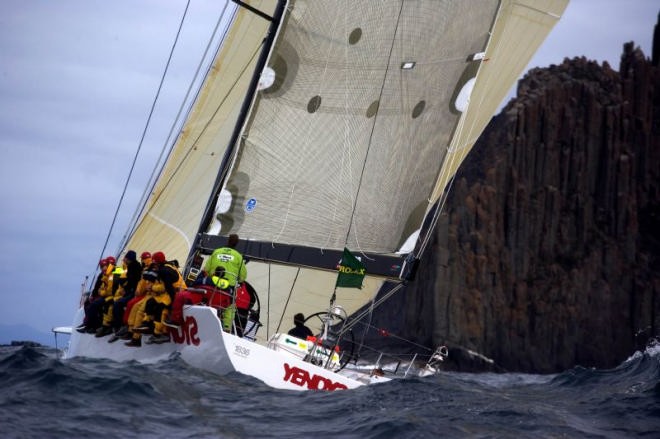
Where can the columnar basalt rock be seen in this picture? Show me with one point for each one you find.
(546, 256)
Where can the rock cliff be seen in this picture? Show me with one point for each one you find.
(546, 256)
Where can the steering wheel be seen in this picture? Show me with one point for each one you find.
(345, 340)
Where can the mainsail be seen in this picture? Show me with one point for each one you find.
(362, 116)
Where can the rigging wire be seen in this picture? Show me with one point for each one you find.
(369, 311)
(375, 304)
(385, 333)
(286, 304)
(144, 131)
(194, 144)
(159, 165)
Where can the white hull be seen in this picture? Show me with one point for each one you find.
(202, 344)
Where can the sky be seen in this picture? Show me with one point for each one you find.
(77, 82)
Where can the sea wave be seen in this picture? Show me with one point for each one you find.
(43, 396)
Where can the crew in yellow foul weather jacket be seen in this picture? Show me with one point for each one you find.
(134, 312)
(168, 273)
(155, 310)
(164, 281)
(94, 312)
(111, 290)
(106, 277)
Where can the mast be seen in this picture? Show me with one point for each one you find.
(275, 22)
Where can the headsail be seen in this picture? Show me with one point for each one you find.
(170, 220)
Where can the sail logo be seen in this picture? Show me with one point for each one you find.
(186, 333)
(301, 377)
(250, 204)
(349, 270)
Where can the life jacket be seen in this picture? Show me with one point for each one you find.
(220, 282)
(106, 281)
(243, 297)
(118, 281)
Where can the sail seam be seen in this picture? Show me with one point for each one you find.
(173, 227)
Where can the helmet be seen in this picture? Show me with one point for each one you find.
(111, 260)
(103, 262)
(145, 255)
(158, 257)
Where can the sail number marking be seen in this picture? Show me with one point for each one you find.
(241, 351)
(186, 333)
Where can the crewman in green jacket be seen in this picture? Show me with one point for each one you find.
(230, 260)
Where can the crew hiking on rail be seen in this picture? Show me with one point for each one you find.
(148, 297)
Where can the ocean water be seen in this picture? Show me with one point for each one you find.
(42, 396)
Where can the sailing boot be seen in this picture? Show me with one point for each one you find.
(146, 327)
(135, 342)
(103, 331)
(158, 339)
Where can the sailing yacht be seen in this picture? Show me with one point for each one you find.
(325, 133)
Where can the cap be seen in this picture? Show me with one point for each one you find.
(111, 260)
(145, 255)
(158, 257)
